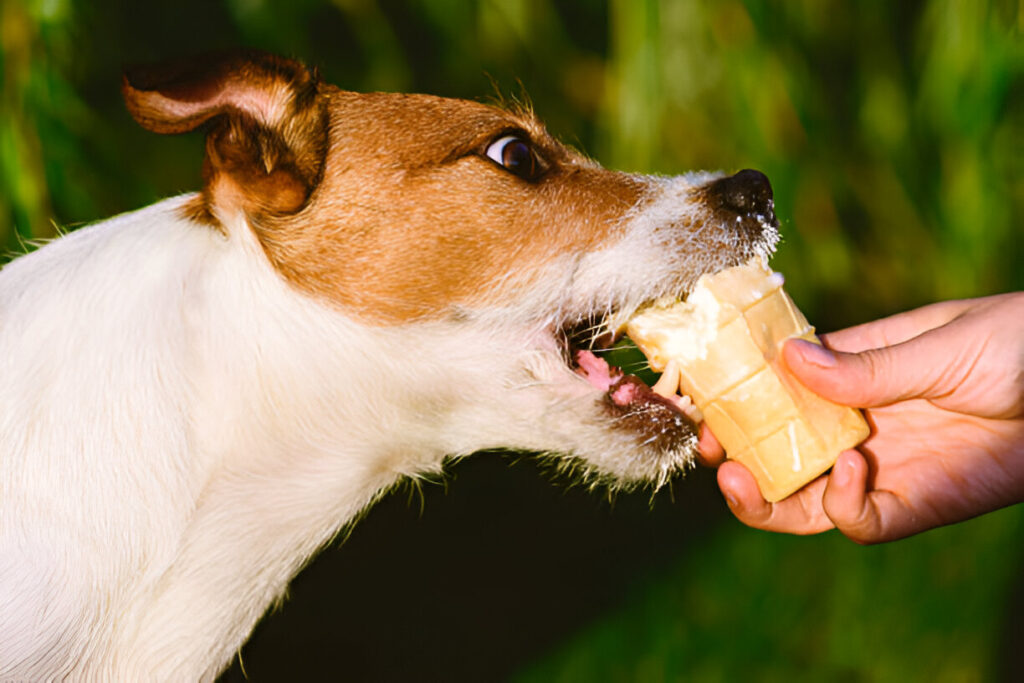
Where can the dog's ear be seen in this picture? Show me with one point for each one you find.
(267, 140)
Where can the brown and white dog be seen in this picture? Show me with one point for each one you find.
(196, 396)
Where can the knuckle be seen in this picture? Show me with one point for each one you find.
(863, 526)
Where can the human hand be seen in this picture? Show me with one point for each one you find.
(943, 390)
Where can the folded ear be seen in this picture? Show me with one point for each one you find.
(267, 141)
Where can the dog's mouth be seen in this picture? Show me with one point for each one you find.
(636, 399)
(741, 207)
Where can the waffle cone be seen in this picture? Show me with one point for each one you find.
(726, 339)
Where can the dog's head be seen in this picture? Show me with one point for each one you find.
(415, 213)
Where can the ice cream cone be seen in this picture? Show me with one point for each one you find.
(726, 339)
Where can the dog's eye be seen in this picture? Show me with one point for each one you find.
(516, 155)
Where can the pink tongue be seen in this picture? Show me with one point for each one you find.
(596, 370)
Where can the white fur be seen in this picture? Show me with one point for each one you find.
(180, 430)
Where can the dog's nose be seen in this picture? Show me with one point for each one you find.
(746, 195)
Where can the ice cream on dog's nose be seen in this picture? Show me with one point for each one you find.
(725, 340)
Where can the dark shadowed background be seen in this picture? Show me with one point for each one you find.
(892, 134)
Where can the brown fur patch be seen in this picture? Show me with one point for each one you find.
(383, 204)
(411, 219)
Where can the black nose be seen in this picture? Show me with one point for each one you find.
(746, 195)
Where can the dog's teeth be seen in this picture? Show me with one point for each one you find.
(668, 384)
(687, 408)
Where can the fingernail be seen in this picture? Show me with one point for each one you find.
(731, 500)
(816, 354)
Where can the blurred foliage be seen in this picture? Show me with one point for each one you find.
(891, 132)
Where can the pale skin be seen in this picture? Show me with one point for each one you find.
(943, 389)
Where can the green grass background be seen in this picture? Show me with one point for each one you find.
(892, 134)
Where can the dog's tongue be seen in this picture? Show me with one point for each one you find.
(628, 389)
(623, 390)
(597, 371)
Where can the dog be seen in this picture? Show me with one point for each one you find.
(198, 395)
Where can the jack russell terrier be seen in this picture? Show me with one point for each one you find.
(196, 396)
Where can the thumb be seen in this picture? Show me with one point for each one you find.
(875, 377)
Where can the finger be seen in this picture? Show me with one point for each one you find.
(801, 513)
(845, 498)
(895, 329)
(709, 452)
(862, 516)
(875, 377)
